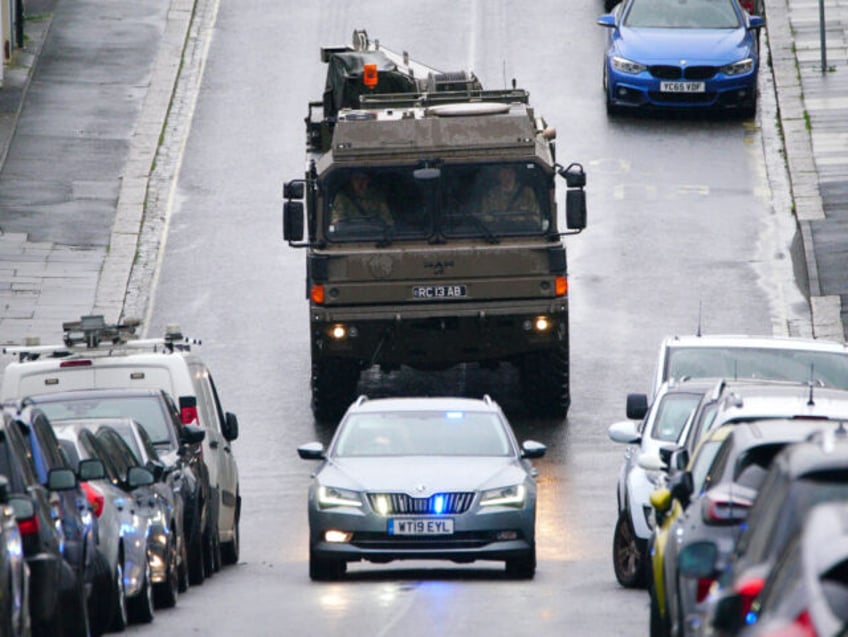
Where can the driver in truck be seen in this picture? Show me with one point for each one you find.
(360, 200)
(508, 195)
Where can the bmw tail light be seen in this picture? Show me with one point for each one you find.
(748, 5)
(95, 498)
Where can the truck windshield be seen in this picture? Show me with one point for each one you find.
(467, 200)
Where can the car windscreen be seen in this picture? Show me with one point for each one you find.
(422, 434)
(800, 366)
(395, 204)
(682, 14)
(148, 411)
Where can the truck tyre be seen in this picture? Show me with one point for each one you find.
(334, 384)
(545, 382)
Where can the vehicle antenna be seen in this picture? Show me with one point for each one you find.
(810, 401)
(700, 307)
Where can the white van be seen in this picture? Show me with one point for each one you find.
(99, 356)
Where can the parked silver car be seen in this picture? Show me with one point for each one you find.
(422, 478)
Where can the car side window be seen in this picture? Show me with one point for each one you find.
(205, 402)
(95, 449)
(217, 400)
(770, 498)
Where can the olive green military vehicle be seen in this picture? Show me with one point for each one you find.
(431, 228)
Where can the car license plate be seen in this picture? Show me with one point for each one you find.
(439, 291)
(420, 526)
(683, 87)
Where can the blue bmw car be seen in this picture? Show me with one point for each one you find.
(681, 54)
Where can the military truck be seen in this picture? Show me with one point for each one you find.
(451, 253)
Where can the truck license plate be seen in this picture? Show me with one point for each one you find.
(683, 87)
(420, 526)
(439, 291)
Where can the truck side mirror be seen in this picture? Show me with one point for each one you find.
(230, 428)
(293, 221)
(293, 189)
(575, 209)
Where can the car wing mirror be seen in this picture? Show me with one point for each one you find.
(624, 432)
(91, 469)
(650, 462)
(23, 506)
(698, 560)
(192, 434)
(61, 480)
(311, 451)
(532, 449)
(139, 477)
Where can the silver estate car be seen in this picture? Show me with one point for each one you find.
(422, 478)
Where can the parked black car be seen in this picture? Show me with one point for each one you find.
(178, 447)
(57, 599)
(14, 574)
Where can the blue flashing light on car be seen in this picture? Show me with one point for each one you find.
(438, 504)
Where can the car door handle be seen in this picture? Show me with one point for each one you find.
(213, 444)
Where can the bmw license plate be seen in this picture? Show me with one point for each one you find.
(439, 291)
(420, 526)
(683, 87)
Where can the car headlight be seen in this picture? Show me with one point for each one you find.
(627, 66)
(335, 497)
(738, 68)
(504, 497)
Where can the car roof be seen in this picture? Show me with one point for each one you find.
(776, 398)
(382, 405)
(744, 340)
(91, 393)
(755, 431)
(819, 454)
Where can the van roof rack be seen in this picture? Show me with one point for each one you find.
(92, 336)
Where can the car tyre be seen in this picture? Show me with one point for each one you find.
(523, 567)
(658, 624)
(230, 550)
(166, 593)
(101, 601)
(324, 569)
(120, 613)
(141, 607)
(196, 562)
(184, 581)
(629, 554)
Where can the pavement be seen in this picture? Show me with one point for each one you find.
(88, 105)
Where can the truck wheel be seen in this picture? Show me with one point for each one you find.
(545, 382)
(334, 384)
